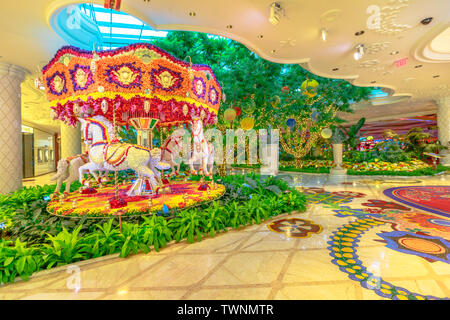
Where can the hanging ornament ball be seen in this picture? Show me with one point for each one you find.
(291, 123)
(53, 114)
(247, 123)
(187, 94)
(185, 109)
(76, 109)
(309, 87)
(229, 114)
(224, 97)
(238, 111)
(101, 89)
(326, 133)
(147, 91)
(146, 106)
(314, 116)
(104, 106)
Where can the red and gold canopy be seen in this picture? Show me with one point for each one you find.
(138, 80)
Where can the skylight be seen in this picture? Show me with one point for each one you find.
(118, 29)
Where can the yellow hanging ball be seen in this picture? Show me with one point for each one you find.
(309, 87)
(326, 133)
(247, 123)
(229, 114)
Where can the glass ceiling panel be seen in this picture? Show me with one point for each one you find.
(118, 29)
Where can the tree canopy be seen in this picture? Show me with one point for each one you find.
(259, 87)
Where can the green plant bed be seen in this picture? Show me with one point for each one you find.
(422, 172)
(38, 240)
(306, 169)
(246, 166)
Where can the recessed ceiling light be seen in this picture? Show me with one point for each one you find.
(192, 14)
(436, 76)
(359, 33)
(229, 26)
(335, 69)
(418, 66)
(394, 52)
(359, 52)
(373, 82)
(260, 36)
(324, 34)
(273, 51)
(426, 20)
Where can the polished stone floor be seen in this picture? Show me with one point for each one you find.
(278, 259)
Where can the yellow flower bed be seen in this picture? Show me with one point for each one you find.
(182, 194)
(388, 166)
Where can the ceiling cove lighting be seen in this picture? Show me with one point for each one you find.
(275, 13)
(359, 52)
(117, 29)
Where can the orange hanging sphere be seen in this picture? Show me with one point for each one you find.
(247, 123)
(229, 114)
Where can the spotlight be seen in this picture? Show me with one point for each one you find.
(426, 21)
(275, 13)
(324, 34)
(359, 52)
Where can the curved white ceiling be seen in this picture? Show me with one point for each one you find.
(29, 41)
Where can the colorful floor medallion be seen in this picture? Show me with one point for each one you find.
(319, 195)
(385, 205)
(433, 248)
(343, 248)
(434, 199)
(295, 228)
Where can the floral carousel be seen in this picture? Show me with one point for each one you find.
(143, 87)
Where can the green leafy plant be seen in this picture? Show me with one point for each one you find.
(156, 232)
(188, 224)
(17, 259)
(66, 247)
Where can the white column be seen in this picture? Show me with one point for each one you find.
(443, 122)
(70, 140)
(337, 156)
(11, 76)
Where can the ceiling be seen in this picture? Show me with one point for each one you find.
(29, 41)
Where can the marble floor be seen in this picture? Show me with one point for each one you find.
(290, 257)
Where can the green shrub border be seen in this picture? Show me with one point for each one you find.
(249, 200)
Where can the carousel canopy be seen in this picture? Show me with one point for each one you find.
(136, 81)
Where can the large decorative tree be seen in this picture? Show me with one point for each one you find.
(268, 92)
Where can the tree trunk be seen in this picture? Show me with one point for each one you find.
(298, 162)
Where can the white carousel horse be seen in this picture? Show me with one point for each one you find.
(67, 170)
(89, 166)
(115, 156)
(171, 150)
(202, 150)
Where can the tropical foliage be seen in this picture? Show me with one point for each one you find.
(36, 240)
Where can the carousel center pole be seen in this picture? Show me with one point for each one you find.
(116, 186)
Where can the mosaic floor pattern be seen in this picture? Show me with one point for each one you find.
(353, 242)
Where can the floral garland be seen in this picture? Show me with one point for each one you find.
(112, 77)
(128, 81)
(194, 87)
(87, 70)
(51, 84)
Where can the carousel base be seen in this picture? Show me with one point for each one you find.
(97, 203)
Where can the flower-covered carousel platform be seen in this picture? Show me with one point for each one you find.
(100, 201)
(145, 87)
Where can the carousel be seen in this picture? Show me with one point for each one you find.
(143, 87)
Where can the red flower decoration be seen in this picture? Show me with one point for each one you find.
(385, 205)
